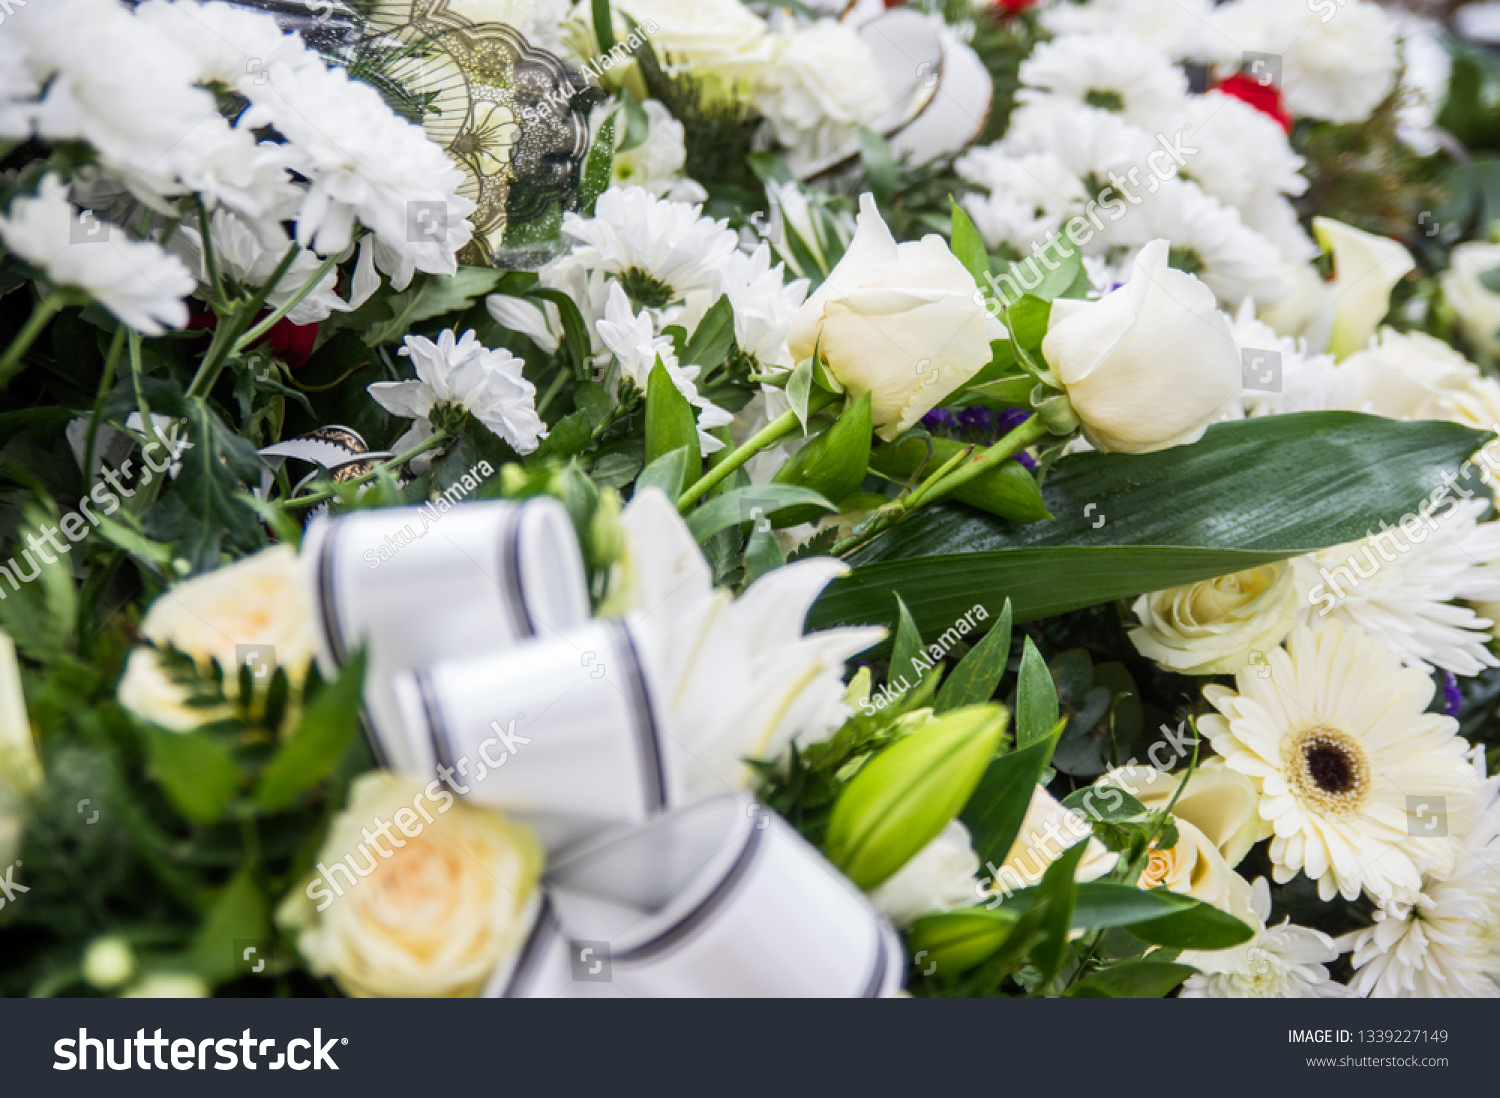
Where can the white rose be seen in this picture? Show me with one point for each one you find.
(719, 39)
(1219, 802)
(1191, 866)
(824, 85)
(261, 600)
(939, 877)
(1217, 626)
(1410, 375)
(1149, 365)
(20, 769)
(1049, 829)
(441, 907)
(898, 321)
(1478, 308)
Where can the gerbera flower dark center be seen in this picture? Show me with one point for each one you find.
(1327, 770)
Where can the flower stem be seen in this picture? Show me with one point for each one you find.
(258, 332)
(227, 340)
(437, 439)
(772, 432)
(106, 382)
(10, 365)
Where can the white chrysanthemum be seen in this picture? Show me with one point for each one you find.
(656, 163)
(1110, 71)
(1402, 589)
(1280, 962)
(241, 256)
(466, 373)
(1274, 218)
(230, 45)
(763, 302)
(824, 84)
(1446, 944)
(1337, 69)
(364, 164)
(1295, 380)
(637, 348)
(1242, 152)
(18, 89)
(589, 289)
(1424, 81)
(720, 40)
(135, 280)
(662, 251)
(939, 877)
(1411, 375)
(1179, 29)
(1208, 240)
(1334, 734)
(1030, 196)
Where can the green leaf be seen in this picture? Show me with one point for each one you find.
(239, 915)
(1134, 980)
(1036, 698)
(668, 472)
(978, 674)
(604, 25)
(596, 170)
(434, 295)
(312, 751)
(568, 436)
(879, 165)
(197, 775)
(1059, 281)
(753, 503)
(637, 123)
(1251, 492)
(1028, 321)
(671, 422)
(799, 389)
(762, 552)
(1099, 905)
(575, 332)
(1058, 890)
(1009, 491)
(834, 463)
(907, 647)
(968, 245)
(590, 398)
(1201, 926)
(1014, 391)
(994, 813)
(713, 338)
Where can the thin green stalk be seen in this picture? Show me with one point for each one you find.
(210, 261)
(255, 334)
(771, 433)
(106, 382)
(552, 391)
(148, 425)
(321, 494)
(1023, 436)
(48, 307)
(915, 499)
(227, 336)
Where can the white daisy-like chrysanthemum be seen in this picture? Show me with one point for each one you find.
(662, 251)
(1280, 962)
(1293, 380)
(1411, 375)
(656, 163)
(1275, 218)
(823, 86)
(1337, 69)
(135, 280)
(230, 45)
(1335, 736)
(589, 289)
(240, 256)
(364, 164)
(466, 374)
(1242, 152)
(637, 348)
(1401, 584)
(764, 304)
(1446, 943)
(1178, 29)
(1109, 71)
(1029, 197)
(1209, 240)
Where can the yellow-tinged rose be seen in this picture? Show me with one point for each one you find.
(1217, 626)
(1149, 365)
(262, 600)
(1192, 866)
(898, 321)
(440, 904)
(1477, 306)
(1219, 802)
(1049, 829)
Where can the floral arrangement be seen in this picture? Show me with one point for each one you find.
(1037, 460)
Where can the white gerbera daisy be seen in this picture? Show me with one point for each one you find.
(1280, 962)
(135, 280)
(661, 251)
(463, 373)
(1030, 195)
(1335, 738)
(1294, 380)
(1208, 240)
(1242, 152)
(1402, 589)
(764, 304)
(1112, 72)
(1445, 944)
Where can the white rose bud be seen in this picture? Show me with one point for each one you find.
(1149, 365)
(1477, 306)
(436, 906)
(1217, 626)
(939, 877)
(898, 321)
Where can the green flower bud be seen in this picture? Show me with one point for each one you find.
(905, 795)
(1009, 491)
(956, 941)
(1055, 410)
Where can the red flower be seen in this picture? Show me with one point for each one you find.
(292, 343)
(1013, 7)
(1265, 98)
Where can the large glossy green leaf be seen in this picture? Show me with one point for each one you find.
(1248, 493)
(1133, 980)
(997, 808)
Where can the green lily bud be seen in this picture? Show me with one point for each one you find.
(833, 464)
(1009, 490)
(606, 540)
(905, 795)
(956, 941)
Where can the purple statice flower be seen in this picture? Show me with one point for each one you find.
(1027, 460)
(938, 419)
(1010, 419)
(976, 419)
(1452, 696)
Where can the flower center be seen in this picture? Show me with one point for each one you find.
(1158, 869)
(1327, 770)
(645, 291)
(1105, 100)
(1185, 260)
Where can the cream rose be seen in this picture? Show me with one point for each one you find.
(1217, 626)
(261, 600)
(1049, 829)
(1478, 307)
(441, 906)
(939, 877)
(1192, 866)
(1220, 803)
(718, 39)
(1149, 365)
(898, 321)
(1411, 375)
